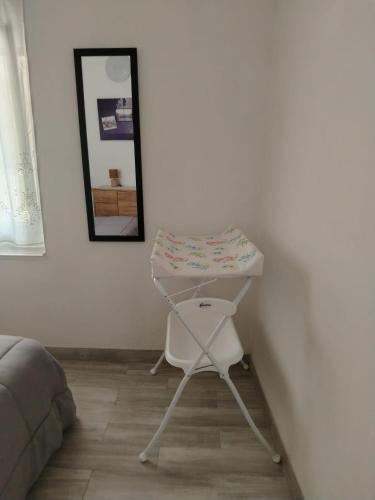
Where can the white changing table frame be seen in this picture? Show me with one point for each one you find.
(204, 351)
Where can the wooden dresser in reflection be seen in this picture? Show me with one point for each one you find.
(114, 201)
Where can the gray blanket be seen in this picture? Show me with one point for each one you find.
(35, 407)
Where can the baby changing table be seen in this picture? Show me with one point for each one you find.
(201, 335)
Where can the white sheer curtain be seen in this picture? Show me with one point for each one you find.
(21, 226)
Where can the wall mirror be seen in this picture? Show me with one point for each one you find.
(107, 93)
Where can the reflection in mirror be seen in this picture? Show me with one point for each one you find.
(109, 122)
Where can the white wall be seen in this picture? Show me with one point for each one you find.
(315, 352)
(306, 197)
(104, 155)
(201, 76)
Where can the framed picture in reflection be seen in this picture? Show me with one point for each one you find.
(115, 119)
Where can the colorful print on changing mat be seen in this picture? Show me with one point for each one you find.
(172, 264)
(229, 266)
(200, 255)
(175, 242)
(197, 265)
(243, 242)
(173, 249)
(215, 242)
(226, 258)
(218, 250)
(193, 247)
(174, 258)
(233, 240)
(247, 256)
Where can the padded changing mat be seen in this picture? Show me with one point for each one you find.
(228, 254)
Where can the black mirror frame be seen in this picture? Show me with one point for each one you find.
(132, 52)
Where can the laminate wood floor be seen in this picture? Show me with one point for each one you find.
(207, 452)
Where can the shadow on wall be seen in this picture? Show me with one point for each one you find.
(284, 304)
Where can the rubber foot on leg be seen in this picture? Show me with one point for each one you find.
(143, 457)
(276, 458)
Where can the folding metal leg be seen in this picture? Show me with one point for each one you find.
(275, 456)
(167, 416)
(245, 366)
(154, 370)
(223, 374)
(188, 374)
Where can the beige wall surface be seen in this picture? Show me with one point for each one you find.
(315, 352)
(201, 80)
(280, 142)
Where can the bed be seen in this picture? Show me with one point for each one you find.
(35, 407)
